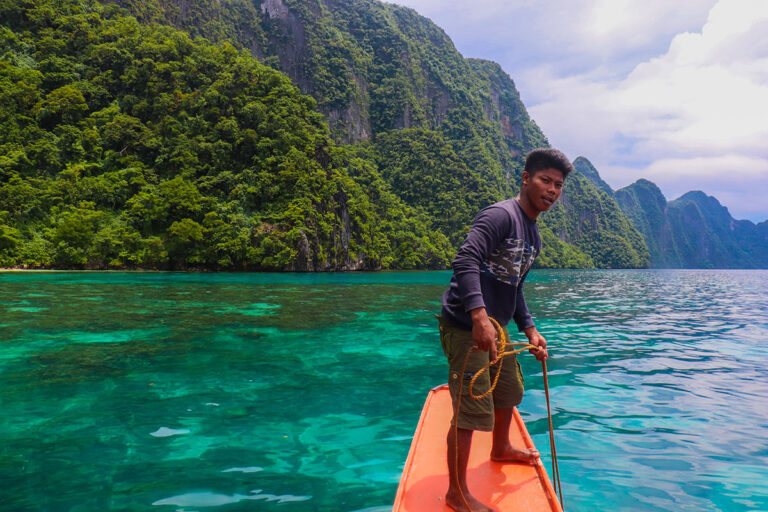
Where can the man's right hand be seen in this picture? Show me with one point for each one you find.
(484, 333)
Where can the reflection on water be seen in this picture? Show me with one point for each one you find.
(154, 391)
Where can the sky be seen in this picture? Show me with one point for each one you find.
(675, 92)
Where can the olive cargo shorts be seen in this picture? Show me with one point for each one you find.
(478, 414)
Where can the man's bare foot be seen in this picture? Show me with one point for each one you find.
(453, 500)
(512, 454)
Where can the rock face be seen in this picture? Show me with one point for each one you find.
(371, 66)
(294, 42)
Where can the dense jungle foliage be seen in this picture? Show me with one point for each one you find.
(129, 144)
(382, 75)
(125, 145)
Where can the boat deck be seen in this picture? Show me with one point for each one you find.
(505, 487)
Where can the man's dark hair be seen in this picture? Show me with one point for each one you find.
(547, 158)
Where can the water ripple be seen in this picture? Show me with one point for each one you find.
(310, 386)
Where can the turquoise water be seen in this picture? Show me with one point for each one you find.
(155, 391)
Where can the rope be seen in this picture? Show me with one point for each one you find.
(552, 450)
(502, 342)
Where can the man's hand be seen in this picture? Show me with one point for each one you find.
(484, 333)
(537, 340)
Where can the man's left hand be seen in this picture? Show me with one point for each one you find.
(538, 341)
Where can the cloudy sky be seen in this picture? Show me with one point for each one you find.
(674, 92)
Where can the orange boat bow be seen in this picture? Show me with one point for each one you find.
(505, 487)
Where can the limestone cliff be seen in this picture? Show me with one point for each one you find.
(693, 231)
(392, 83)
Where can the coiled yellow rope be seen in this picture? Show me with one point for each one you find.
(502, 341)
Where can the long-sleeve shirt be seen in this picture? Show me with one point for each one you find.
(491, 266)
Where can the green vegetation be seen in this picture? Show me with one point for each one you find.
(591, 220)
(377, 69)
(426, 172)
(557, 254)
(132, 144)
(124, 145)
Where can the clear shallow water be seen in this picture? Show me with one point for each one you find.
(233, 392)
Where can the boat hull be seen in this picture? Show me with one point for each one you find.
(508, 487)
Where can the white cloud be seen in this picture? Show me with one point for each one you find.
(739, 182)
(688, 169)
(574, 36)
(613, 26)
(699, 109)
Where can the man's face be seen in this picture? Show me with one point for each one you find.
(543, 188)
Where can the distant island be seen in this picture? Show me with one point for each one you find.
(693, 231)
(291, 137)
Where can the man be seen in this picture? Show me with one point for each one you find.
(488, 275)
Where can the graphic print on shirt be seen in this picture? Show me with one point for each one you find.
(509, 261)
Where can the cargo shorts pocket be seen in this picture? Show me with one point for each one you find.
(473, 414)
